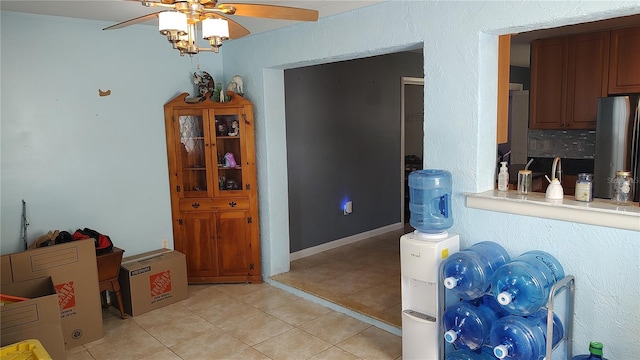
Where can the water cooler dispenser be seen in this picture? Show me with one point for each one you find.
(421, 253)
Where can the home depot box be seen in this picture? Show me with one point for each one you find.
(152, 280)
(72, 267)
(6, 275)
(38, 317)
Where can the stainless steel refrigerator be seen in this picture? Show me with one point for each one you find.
(617, 133)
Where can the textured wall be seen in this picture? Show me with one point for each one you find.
(460, 57)
(79, 159)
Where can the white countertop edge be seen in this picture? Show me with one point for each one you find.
(599, 212)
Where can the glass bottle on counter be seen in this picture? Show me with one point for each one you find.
(622, 188)
(584, 187)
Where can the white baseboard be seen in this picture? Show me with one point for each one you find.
(344, 241)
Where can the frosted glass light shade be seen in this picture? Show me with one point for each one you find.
(215, 27)
(172, 21)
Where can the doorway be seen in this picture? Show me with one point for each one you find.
(412, 134)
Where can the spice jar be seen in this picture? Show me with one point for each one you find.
(584, 187)
(621, 188)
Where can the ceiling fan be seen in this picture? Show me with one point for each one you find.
(178, 22)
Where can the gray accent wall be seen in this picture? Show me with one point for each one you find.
(343, 143)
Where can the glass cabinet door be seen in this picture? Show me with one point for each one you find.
(192, 153)
(229, 152)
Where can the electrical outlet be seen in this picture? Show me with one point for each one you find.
(165, 243)
(348, 208)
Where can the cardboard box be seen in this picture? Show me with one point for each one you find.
(152, 280)
(72, 267)
(6, 275)
(38, 317)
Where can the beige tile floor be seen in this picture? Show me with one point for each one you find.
(240, 321)
(363, 276)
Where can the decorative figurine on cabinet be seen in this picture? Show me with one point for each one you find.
(222, 130)
(236, 85)
(204, 84)
(229, 160)
(239, 84)
(235, 128)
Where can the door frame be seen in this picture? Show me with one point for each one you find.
(405, 81)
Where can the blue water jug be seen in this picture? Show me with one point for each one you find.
(490, 301)
(595, 352)
(468, 272)
(524, 337)
(468, 324)
(485, 353)
(523, 285)
(430, 200)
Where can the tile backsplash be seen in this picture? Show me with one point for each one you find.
(576, 144)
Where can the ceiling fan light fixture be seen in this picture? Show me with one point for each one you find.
(172, 24)
(212, 27)
(215, 30)
(179, 24)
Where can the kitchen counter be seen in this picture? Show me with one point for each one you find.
(599, 212)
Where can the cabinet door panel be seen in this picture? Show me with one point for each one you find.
(548, 79)
(587, 78)
(233, 243)
(193, 170)
(199, 246)
(624, 71)
(230, 142)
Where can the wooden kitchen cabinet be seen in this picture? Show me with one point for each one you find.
(624, 61)
(213, 187)
(568, 74)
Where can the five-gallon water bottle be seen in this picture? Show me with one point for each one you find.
(485, 353)
(468, 324)
(523, 286)
(468, 272)
(595, 352)
(430, 200)
(524, 338)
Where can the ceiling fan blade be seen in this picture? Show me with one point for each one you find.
(271, 11)
(235, 30)
(133, 21)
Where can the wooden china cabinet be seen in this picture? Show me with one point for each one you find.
(212, 177)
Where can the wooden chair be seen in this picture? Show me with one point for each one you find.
(108, 269)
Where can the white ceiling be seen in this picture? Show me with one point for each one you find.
(118, 11)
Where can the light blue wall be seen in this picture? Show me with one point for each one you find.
(460, 64)
(78, 159)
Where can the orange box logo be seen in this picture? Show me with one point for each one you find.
(66, 295)
(160, 283)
